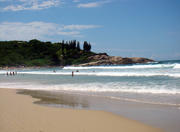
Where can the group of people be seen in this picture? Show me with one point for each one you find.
(11, 73)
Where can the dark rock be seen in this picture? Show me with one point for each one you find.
(104, 59)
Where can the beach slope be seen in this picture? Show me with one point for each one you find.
(19, 114)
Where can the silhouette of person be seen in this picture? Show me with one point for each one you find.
(72, 73)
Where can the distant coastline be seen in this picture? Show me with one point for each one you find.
(36, 54)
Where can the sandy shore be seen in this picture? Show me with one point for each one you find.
(19, 114)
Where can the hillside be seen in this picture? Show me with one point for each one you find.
(37, 53)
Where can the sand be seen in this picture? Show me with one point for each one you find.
(19, 114)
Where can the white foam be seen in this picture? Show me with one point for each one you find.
(122, 67)
(120, 74)
(137, 74)
(110, 87)
(3, 72)
(95, 87)
(177, 66)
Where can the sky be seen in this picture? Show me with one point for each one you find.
(127, 28)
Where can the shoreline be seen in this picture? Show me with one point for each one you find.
(159, 116)
(18, 113)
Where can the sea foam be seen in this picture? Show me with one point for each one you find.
(177, 66)
(115, 74)
(122, 67)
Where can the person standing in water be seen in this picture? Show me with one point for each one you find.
(72, 73)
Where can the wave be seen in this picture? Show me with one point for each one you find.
(115, 74)
(95, 87)
(177, 66)
(122, 67)
(136, 74)
(113, 87)
(152, 94)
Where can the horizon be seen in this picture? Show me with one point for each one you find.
(127, 28)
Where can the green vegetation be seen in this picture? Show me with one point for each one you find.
(37, 53)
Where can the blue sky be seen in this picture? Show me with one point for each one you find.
(142, 28)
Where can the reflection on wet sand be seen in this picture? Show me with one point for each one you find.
(56, 98)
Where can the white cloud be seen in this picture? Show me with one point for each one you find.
(89, 5)
(92, 4)
(39, 30)
(18, 5)
(80, 27)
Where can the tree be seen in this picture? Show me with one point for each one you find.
(87, 46)
(35, 52)
(78, 46)
(34, 41)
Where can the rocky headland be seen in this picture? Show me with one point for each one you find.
(104, 59)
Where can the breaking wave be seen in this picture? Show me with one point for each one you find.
(117, 74)
(95, 87)
(177, 66)
(123, 67)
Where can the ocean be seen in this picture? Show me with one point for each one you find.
(152, 83)
(149, 93)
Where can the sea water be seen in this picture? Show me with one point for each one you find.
(149, 93)
(151, 83)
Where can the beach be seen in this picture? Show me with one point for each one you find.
(18, 113)
(145, 93)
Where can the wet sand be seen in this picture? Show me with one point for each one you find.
(18, 113)
(160, 116)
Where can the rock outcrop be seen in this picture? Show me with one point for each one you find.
(104, 59)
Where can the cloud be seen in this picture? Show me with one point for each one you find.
(80, 27)
(18, 5)
(39, 30)
(92, 4)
